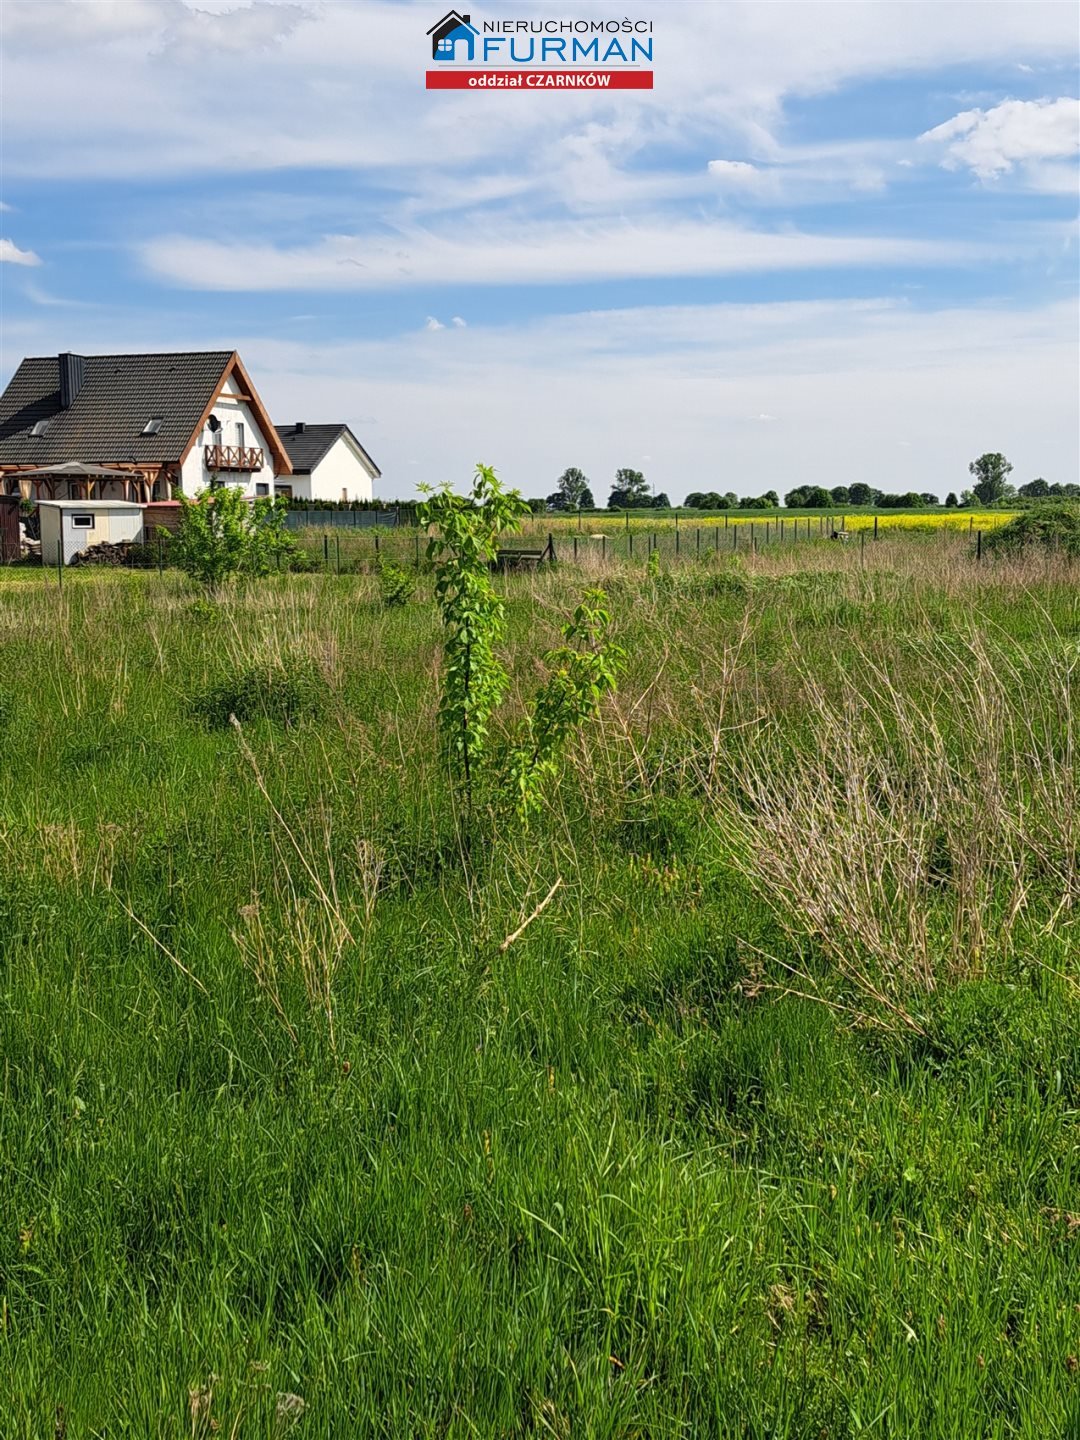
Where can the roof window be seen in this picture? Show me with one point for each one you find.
(40, 426)
(153, 425)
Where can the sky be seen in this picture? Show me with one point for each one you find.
(835, 242)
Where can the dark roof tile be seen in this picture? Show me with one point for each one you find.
(119, 394)
(307, 447)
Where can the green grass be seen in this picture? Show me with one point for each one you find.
(610, 1181)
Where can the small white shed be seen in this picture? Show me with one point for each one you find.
(68, 526)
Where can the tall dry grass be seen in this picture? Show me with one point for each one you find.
(902, 832)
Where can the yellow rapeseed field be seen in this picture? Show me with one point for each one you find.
(793, 522)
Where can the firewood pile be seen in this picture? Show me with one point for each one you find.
(125, 553)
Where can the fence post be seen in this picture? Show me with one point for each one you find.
(337, 547)
(698, 534)
(875, 527)
(575, 549)
(716, 537)
(676, 535)
(862, 547)
(630, 541)
(551, 548)
(978, 545)
(971, 523)
(725, 520)
(626, 517)
(325, 550)
(376, 539)
(603, 548)
(734, 537)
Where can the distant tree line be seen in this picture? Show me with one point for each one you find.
(631, 491)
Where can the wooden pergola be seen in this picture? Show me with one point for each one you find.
(82, 481)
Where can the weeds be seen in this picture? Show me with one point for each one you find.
(284, 693)
(550, 1141)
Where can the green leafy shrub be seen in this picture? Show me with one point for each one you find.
(222, 534)
(396, 585)
(583, 671)
(474, 682)
(284, 693)
(1054, 525)
(301, 562)
(461, 550)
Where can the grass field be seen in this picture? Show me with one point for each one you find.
(766, 1126)
(695, 538)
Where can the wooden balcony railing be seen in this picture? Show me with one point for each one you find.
(232, 457)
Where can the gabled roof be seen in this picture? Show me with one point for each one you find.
(118, 395)
(451, 21)
(307, 447)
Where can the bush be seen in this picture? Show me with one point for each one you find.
(223, 534)
(301, 562)
(1053, 525)
(285, 693)
(396, 585)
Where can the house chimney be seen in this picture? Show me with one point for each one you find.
(72, 375)
(299, 427)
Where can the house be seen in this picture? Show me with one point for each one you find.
(328, 463)
(445, 36)
(174, 421)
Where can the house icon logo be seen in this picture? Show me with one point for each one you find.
(453, 29)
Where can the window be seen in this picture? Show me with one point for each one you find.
(40, 426)
(82, 522)
(262, 488)
(152, 426)
(240, 433)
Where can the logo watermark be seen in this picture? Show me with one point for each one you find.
(469, 53)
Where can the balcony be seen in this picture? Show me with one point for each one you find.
(232, 457)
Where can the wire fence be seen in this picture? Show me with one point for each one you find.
(339, 546)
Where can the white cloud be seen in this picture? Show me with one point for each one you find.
(1016, 132)
(735, 172)
(516, 253)
(164, 69)
(458, 322)
(432, 324)
(12, 255)
(678, 383)
(683, 383)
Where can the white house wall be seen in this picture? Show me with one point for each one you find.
(340, 474)
(230, 411)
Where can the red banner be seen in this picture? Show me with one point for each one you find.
(536, 79)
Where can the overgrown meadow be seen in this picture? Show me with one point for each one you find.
(322, 1115)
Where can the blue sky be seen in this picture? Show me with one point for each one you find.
(835, 242)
